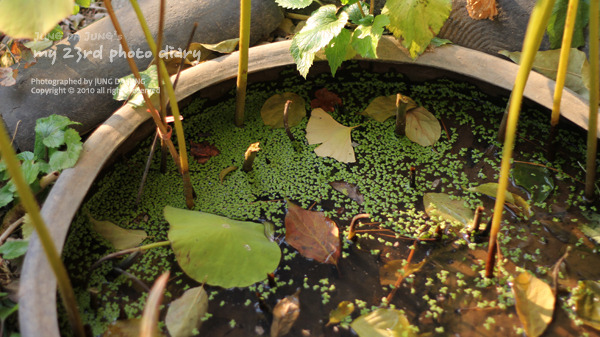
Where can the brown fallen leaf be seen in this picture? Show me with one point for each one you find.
(482, 9)
(285, 314)
(349, 190)
(325, 100)
(313, 234)
(203, 151)
(422, 127)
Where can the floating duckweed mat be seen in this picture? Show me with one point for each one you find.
(445, 295)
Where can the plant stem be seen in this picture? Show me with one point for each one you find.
(146, 169)
(401, 105)
(561, 75)
(249, 156)
(352, 231)
(285, 121)
(129, 251)
(242, 76)
(31, 207)
(149, 324)
(162, 98)
(533, 37)
(296, 16)
(413, 177)
(187, 184)
(592, 140)
(372, 8)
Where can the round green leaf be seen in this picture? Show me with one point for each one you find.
(31, 19)
(272, 110)
(220, 251)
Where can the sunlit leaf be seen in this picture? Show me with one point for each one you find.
(31, 19)
(384, 323)
(285, 313)
(50, 133)
(294, 4)
(220, 251)
(366, 37)
(438, 42)
(119, 237)
(445, 207)
(185, 313)
(422, 127)
(339, 50)
(128, 87)
(226, 171)
(534, 302)
(384, 107)
(349, 190)
(13, 249)
(223, 47)
(416, 22)
(335, 137)
(513, 201)
(313, 234)
(587, 302)
(546, 63)
(272, 110)
(537, 180)
(556, 24)
(482, 9)
(60, 160)
(392, 270)
(322, 26)
(343, 310)
(355, 15)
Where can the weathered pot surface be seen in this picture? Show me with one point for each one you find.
(37, 302)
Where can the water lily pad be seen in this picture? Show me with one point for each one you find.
(272, 110)
(220, 251)
(587, 303)
(534, 302)
(535, 179)
(384, 323)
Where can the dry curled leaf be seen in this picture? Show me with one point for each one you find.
(313, 234)
(325, 100)
(349, 190)
(203, 151)
(285, 314)
(482, 9)
(335, 137)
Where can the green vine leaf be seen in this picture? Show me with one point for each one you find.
(366, 37)
(556, 24)
(416, 21)
(60, 160)
(294, 4)
(323, 25)
(339, 50)
(354, 14)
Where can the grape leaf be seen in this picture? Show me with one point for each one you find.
(294, 4)
(416, 21)
(534, 302)
(339, 50)
(272, 110)
(13, 249)
(31, 19)
(366, 37)
(556, 24)
(335, 138)
(128, 88)
(384, 323)
(313, 234)
(185, 313)
(221, 251)
(322, 26)
(422, 127)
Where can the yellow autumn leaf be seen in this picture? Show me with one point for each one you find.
(534, 302)
(384, 107)
(335, 137)
(422, 127)
(119, 237)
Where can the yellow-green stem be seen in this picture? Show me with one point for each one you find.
(242, 76)
(187, 186)
(533, 37)
(563, 62)
(592, 141)
(31, 207)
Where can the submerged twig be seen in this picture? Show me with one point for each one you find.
(351, 231)
(146, 169)
(556, 268)
(285, 120)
